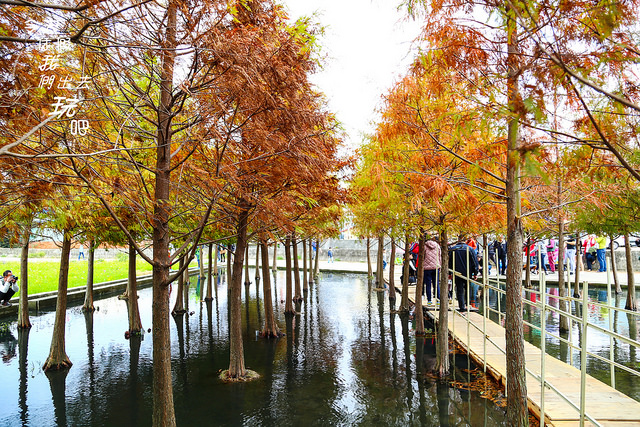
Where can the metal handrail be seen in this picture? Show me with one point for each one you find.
(574, 317)
(533, 374)
(543, 307)
(570, 344)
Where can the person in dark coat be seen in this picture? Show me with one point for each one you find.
(500, 247)
(464, 260)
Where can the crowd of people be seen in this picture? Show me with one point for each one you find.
(544, 254)
(465, 258)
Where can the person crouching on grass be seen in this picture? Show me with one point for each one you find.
(8, 287)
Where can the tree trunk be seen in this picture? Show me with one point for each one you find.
(296, 269)
(216, 252)
(135, 324)
(178, 307)
(316, 269)
(274, 267)
(576, 285)
(379, 263)
(392, 272)
(419, 315)
(236, 352)
(517, 409)
(58, 358)
(163, 409)
(229, 271)
(88, 295)
(631, 303)
(442, 339)
(201, 262)
(270, 329)
(614, 267)
(247, 282)
(257, 264)
(210, 255)
(288, 306)
(562, 289)
(185, 284)
(369, 268)
(23, 306)
(311, 261)
(404, 298)
(305, 280)
(528, 267)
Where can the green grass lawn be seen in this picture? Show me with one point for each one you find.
(43, 275)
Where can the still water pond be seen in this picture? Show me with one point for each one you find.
(346, 359)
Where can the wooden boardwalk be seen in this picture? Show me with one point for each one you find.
(605, 404)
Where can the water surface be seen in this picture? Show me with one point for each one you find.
(346, 359)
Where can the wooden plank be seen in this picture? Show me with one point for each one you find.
(607, 405)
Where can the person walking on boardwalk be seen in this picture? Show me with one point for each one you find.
(552, 254)
(589, 247)
(431, 265)
(570, 254)
(491, 251)
(330, 255)
(542, 253)
(501, 250)
(601, 246)
(464, 260)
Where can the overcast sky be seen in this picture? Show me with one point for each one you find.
(368, 45)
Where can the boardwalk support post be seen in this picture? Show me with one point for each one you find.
(583, 352)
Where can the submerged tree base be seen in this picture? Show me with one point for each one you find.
(57, 366)
(132, 333)
(271, 334)
(249, 376)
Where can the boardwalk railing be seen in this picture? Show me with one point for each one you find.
(544, 303)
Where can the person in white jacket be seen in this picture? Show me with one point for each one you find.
(8, 287)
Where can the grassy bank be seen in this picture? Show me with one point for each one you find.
(43, 275)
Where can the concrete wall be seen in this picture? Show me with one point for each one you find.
(621, 259)
(343, 250)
